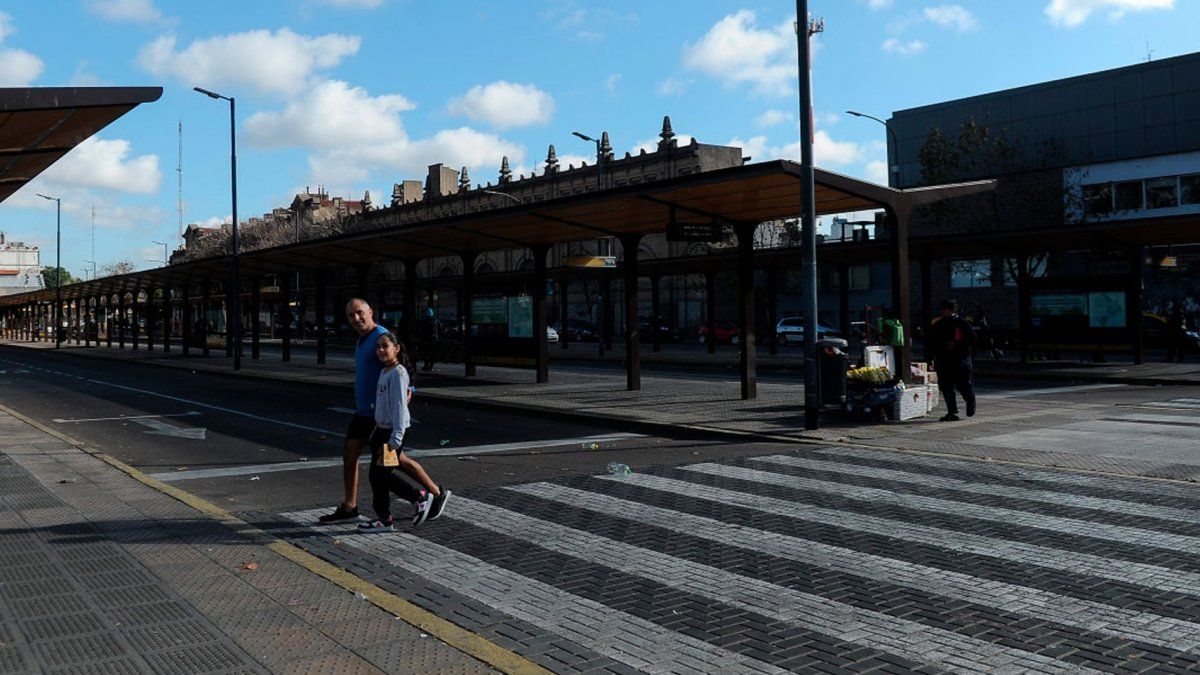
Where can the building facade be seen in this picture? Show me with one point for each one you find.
(20, 267)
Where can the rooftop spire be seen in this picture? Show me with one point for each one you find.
(464, 181)
(551, 161)
(505, 172)
(605, 147)
(667, 136)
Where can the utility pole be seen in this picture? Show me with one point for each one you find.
(805, 29)
(179, 170)
(93, 242)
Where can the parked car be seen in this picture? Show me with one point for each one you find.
(665, 332)
(581, 331)
(791, 331)
(551, 335)
(724, 331)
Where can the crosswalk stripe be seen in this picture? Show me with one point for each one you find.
(991, 489)
(900, 637)
(642, 644)
(1141, 574)
(1130, 486)
(1064, 610)
(1039, 521)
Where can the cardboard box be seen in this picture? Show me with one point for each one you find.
(933, 398)
(911, 403)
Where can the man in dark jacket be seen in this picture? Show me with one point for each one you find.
(427, 332)
(952, 339)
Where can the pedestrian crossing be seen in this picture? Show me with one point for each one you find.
(825, 559)
(1185, 403)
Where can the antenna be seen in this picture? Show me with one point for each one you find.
(1149, 52)
(179, 170)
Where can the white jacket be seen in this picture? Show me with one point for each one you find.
(391, 403)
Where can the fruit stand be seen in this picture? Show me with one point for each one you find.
(874, 393)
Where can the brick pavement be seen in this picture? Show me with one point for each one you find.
(101, 573)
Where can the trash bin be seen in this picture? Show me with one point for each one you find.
(832, 364)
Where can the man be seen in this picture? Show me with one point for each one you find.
(952, 339)
(428, 333)
(366, 376)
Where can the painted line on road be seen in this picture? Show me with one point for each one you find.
(122, 418)
(1051, 390)
(255, 469)
(345, 411)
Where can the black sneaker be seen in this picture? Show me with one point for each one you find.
(339, 514)
(423, 504)
(971, 408)
(439, 503)
(377, 525)
(949, 417)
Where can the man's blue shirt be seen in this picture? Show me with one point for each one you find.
(367, 367)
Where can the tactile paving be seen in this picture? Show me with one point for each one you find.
(80, 649)
(158, 612)
(60, 626)
(198, 658)
(165, 636)
(54, 605)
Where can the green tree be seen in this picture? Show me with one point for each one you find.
(50, 276)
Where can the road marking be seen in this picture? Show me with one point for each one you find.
(254, 469)
(122, 418)
(161, 428)
(1051, 390)
(344, 411)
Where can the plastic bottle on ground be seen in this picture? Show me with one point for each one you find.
(619, 469)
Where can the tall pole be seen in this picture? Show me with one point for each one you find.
(893, 146)
(812, 393)
(237, 317)
(93, 242)
(58, 265)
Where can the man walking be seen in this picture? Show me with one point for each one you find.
(366, 376)
(952, 339)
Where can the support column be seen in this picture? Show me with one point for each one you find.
(710, 307)
(773, 310)
(410, 303)
(136, 311)
(229, 291)
(285, 314)
(167, 316)
(541, 355)
(564, 311)
(746, 308)
(1024, 309)
(629, 269)
(185, 319)
(464, 301)
(900, 290)
(655, 313)
(843, 271)
(87, 311)
(606, 285)
(205, 305)
(1133, 307)
(151, 315)
(927, 301)
(255, 311)
(320, 313)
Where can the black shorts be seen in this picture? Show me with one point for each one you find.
(360, 428)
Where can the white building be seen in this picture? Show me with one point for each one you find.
(20, 267)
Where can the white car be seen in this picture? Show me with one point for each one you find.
(551, 335)
(791, 331)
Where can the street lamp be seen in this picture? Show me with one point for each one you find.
(235, 320)
(893, 169)
(162, 244)
(502, 194)
(58, 265)
(599, 185)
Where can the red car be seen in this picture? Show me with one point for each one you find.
(724, 331)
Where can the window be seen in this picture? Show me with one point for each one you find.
(1037, 268)
(1189, 189)
(971, 273)
(1129, 195)
(1160, 193)
(1097, 199)
(860, 278)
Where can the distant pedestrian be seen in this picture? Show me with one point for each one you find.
(392, 419)
(1177, 337)
(366, 375)
(952, 339)
(428, 334)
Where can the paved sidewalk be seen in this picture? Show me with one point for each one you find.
(102, 573)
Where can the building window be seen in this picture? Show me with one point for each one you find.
(1189, 189)
(1037, 268)
(860, 278)
(1097, 199)
(1161, 193)
(971, 273)
(1129, 195)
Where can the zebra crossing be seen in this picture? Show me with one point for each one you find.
(1185, 403)
(829, 559)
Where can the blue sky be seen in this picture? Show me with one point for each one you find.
(358, 94)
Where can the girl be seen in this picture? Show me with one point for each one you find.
(391, 421)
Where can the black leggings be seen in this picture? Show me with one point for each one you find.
(385, 480)
(960, 376)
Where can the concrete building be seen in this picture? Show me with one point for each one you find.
(20, 267)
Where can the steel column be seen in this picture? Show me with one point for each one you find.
(464, 301)
(655, 312)
(773, 310)
(205, 304)
(284, 311)
(320, 313)
(629, 269)
(541, 345)
(710, 307)
(747, 309)
(255, 311)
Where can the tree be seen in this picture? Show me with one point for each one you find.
(50, 276)
(118, 267)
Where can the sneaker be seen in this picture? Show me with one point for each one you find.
(339, 514)
(439, 503)
(377, 525)
(423, 504)
(971, 408)
(949, 417)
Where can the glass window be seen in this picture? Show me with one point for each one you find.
(1161, 193)
(1129, 195)
(1097, 199)
(860, 278)
(971, 273)
(1189, 189)
(1037, 268)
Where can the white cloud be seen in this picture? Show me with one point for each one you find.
(910, 48)
(673, 86)
(504, 105)
(331, 115)
(877, 171)
(1071, 13)
(826, 150)
(6, 26)
(651, 144)
(612, 82)
(736, 51)
(587, 25)
(105, 164)
(19, 68)
(952, 16)
(82, 77)
(879, 4)
(479, 151)
(136, 11)
(772, 118)
(282, 62)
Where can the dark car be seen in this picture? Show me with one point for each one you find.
(1157, 334)
(580, 331)
(665, 332)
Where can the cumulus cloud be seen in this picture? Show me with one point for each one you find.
(134, 11)
(826, 150)
(504, 105)
(897, 46)
(6, 26)
(672, 86)
(651, 144)
(106, 164)
(876, 171)
(772, 118)
(333, 114)
(19, 68)
(479, 151)
(736, 51)
(1071, 13)
(282, 62)
(952, 16)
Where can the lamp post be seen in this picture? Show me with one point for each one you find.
(599, 186)
(58, 268)
(235, 320)
(893, 169)
(163, 244)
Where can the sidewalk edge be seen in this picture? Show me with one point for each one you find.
(460, 638)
